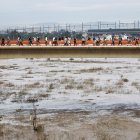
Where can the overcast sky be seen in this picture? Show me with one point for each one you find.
(67, 11)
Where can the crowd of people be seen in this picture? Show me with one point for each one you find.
(36, 40)
(67, 41)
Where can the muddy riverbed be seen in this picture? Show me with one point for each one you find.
(70, 99)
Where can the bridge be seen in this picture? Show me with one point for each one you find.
(8, 52)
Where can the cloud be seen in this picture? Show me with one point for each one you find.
(37, 11)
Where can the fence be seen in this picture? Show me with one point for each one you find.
(83, 27)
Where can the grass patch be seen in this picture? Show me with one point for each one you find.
(34, 85)
(88, 82)
(137, 113)
(66, 81)
(98, 88)
(80, 87)
(57, 71)
(22, 93)
(1, 82)
(44, 95)
(51, 86)
(136, 85)
(119, 83)
(32, 100)
(69, 86)
(29, 72)
(91, 70)
(110, 90)
(9, 85)
(3, 67)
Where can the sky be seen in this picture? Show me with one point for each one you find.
(17, 12)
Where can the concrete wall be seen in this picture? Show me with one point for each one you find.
(68, 52)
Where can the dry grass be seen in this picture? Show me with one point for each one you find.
(2, 130)
(3, 67)
(118, 67)
(80, 87)
(22, 93)
(44, 95)
(91, 70)
(13, 67)
(57, 71)
(88, 82)
(32, 100)
(1, 82)
(51, 86)
(29, 72)
(110, 90)
(98, 88)
(136, 85)
(101, 134)
(136, 113)
(19, 97)
(119, 83)
(27, 68)
(66, 81)
(8, 67)
(138, 137)
(69, 86)
(25, 76)
(34, 85)
(9, 84)
(107, 128)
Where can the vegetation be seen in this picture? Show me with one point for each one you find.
(25, 35)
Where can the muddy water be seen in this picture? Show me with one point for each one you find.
(73, 126)
(95, 99)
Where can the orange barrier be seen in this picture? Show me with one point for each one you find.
(78, 42)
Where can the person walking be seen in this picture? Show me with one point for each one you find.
(30, 41)
(120, 40)
(53, 41)
(19, 41)
(94, 41)
(113, 41)
(75, 41)
(83, 41)
(105, 42)
(2, 41)
(98, 41)
(69, 41)
(66, 41)
(8, 41)
(38, 41)
(46, 40)
(136, 41)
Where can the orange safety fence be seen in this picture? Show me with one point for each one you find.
(78, 42)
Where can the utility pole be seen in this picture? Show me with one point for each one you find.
(134, 25)
(119, 24)
(115, 25)
(82, 27)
